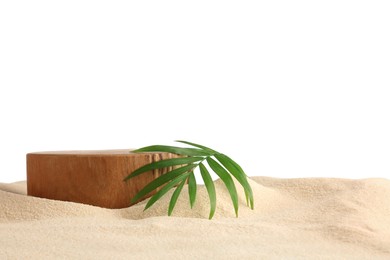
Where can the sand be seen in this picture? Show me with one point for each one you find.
(311, 218)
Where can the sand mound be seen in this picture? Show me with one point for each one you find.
(293, 218)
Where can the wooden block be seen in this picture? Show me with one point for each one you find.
(90, 177)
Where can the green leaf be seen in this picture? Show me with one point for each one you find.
(198, 145)
(165, 189)
(223, 166)
(161, 180)
(192, 188)
(242, 171)
(208, 181)
(175, 196)
(225, 177)
(163, 164)
(173, 149)
(239, 174)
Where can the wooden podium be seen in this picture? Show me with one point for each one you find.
(90, 177)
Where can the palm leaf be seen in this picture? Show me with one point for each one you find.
(225, 177)
(192, 188)
(223, 166)
(163, 164)
(173, 149)
(236, 165)
(175, 196)
(162, 180)
(208, 182)
(164, 190)
(197, 145)
(239, 174)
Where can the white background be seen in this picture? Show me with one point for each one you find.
(287, 88)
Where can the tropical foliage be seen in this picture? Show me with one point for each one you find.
(191, 159)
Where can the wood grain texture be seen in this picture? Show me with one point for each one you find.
(90, 177)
